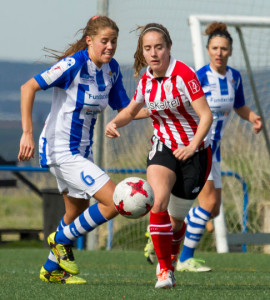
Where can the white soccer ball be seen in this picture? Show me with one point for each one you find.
(133, 197)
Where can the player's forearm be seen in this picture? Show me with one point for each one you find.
(246, 113)
(202, 130)
(129, 113)
(123, 118)
(142, 114)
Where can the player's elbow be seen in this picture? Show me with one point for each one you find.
(31, 86)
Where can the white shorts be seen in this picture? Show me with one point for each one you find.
(215, 174)
(79, 176)
(178, 207)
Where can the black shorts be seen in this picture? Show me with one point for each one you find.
(191, 174)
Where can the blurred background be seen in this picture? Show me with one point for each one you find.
(29, 26)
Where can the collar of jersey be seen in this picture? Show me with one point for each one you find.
(218, 74)
(169, 70)
(90, 63)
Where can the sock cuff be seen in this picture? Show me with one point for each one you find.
(61, 225)
(160, 217)
(207, 213)
(96, 215)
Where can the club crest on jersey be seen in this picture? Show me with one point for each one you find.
(194, 86)
(57, 70)
(168, 87)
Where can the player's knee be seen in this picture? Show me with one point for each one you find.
(108, 210)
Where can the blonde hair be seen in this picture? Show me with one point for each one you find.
(139, 61)
(92, 28)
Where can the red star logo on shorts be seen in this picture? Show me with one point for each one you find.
(137, 187)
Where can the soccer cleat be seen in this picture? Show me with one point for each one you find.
(149, 251)
(60, 276)
(192, 265)
(166, 279)
(63, 254)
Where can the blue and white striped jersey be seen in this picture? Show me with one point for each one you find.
(223, 93)
(81, 91)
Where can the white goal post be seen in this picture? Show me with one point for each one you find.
(238, 22)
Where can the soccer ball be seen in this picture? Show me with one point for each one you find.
(133, 197)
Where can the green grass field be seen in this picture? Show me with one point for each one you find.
(127, 275)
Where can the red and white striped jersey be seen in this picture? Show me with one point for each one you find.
(169, 103)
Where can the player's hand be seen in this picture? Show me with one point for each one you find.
(183, 153)
(257, 124)
(110, 131)
(27, 147)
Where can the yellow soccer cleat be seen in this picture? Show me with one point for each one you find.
(60, 276)
(149, 251)
(63, 254)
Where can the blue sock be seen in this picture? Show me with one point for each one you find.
(51, 264)
(86, 222)
(196, 218)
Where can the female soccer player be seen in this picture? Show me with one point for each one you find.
(85, 80)
(180, 159)
(223, 89)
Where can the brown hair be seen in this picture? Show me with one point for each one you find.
(217, 29)
(91, 29)
(140, 62)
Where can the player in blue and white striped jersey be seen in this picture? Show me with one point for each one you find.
(223, 89)
(85, 80)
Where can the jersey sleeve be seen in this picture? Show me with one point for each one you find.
(239, 94)
(188, 82)
(118, 97)
(60, 74)
(140, 91)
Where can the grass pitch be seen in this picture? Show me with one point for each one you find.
(127, 275)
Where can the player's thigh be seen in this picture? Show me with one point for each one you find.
(161, 166)
(105, 194)
(161, 180)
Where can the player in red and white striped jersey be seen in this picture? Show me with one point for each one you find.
(168, 100)
(180, 159)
